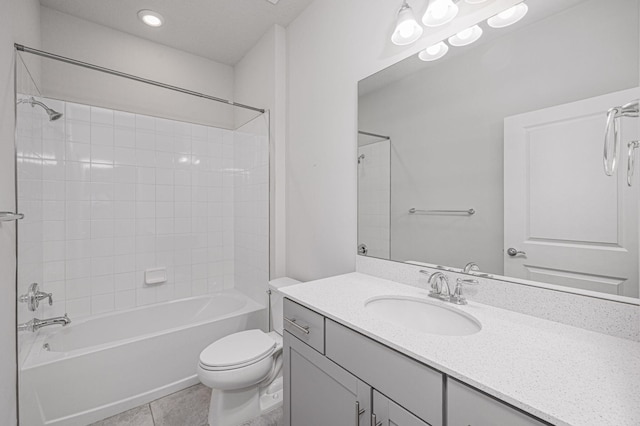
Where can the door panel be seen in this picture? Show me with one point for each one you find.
(318, 392)
(577, 226)
(388, 413)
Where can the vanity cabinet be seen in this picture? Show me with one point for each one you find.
(319, 392)
(334, 375)
(469, 407)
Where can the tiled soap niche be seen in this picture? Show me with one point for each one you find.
(108, 195)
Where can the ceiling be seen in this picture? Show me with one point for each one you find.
(220, 30)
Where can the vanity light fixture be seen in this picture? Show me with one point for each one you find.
(434, 52)
(407, 28)
(475, 1)
(509, 16)
(466, 37)
(151, 18)
(439, 12)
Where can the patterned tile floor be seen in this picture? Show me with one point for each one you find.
(189, 407)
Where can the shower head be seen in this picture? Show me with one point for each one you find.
(53, 114)
(360, 158)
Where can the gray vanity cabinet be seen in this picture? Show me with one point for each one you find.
(320, 393)
(386, 412)
(469, 407)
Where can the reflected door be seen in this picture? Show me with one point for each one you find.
(570, 223)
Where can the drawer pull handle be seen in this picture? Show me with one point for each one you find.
(303, 328)
(374, 420)
(359, 412)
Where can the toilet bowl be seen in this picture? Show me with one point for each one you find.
(244, 369)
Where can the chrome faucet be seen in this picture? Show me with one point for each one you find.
(36, 324)
(458, 298)
(439, 285)
(471, 267)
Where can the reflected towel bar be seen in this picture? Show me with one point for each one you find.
(469, 212)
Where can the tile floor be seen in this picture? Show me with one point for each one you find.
(188, 407)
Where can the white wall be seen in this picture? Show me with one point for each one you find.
(76, 38)
(19, 22)
(331, 46)
(260, 80)
(440, 164)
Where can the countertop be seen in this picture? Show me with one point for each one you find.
(562, 374)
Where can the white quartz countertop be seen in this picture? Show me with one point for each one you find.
(562, 374)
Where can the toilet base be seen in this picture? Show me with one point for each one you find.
(234, 407)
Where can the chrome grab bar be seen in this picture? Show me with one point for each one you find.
(630, 161)
(303, 328)
(10, 216)
(631, 109)
(470, 212)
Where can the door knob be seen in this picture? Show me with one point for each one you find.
(513, 252)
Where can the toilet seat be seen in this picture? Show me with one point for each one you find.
(237, 350)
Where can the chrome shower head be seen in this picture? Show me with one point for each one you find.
(360, 158)
(53, 114)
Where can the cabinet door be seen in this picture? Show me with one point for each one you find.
(469, 407)
(318, 392)
(388, 413)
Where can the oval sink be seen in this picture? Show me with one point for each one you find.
(427, 316)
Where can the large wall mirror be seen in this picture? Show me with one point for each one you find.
(493, 154)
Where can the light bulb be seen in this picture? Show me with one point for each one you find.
(466, 36)
(508, 16)
(439, 12)
(439, 9)
(151, 18)
(507, 13)
(407, 28)
(434, 52)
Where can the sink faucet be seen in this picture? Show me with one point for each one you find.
(35, 324)
(471, 267)
(439, 285)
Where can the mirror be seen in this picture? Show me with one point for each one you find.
(493, 154)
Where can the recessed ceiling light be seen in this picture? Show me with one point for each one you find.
(151, 18)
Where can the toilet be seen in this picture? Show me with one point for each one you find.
(244, 369)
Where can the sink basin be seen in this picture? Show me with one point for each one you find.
(427, 316)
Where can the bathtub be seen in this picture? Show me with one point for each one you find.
(103, 365)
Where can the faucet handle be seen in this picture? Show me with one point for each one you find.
(458, 298)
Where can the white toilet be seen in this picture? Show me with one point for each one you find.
(244, 369)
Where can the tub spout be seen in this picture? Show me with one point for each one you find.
(36, 323)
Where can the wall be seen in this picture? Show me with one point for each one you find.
(260, 80)
(66, 35)
(331, 46)
(439, 164)
(18, 23)
(117, 194)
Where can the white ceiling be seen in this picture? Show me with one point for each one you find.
(221, 30)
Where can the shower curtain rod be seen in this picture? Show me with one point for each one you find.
(48, 55)
(373, 134)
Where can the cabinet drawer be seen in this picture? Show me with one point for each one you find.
(414, 386)
(305, 324)
(467, 406)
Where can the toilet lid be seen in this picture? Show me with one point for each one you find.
(245, 347)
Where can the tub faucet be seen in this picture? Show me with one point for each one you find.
(35, 324)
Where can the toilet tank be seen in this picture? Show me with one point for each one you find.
(276, 299)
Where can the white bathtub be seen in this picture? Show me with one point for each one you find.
(104, 365)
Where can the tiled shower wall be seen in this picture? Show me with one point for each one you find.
(109, 194)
